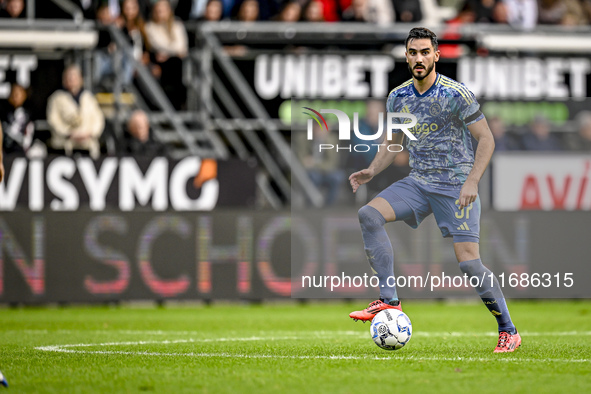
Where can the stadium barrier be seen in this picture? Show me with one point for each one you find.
(61, 183)
(243, 254)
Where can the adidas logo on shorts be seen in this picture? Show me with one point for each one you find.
(464, 226)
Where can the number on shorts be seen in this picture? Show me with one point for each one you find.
(460, 215)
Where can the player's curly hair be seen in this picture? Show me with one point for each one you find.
(422, 32)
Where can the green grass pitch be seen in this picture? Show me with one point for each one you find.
(291, 348)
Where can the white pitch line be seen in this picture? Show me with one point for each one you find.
(333, 357)
(166, 342)
(67, 349)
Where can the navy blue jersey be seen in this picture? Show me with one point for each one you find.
(442, 155)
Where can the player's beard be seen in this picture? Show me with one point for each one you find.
(419, 77)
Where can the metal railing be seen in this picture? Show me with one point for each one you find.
(196, 142)
(255, 128)
(70, 8)
(543, 39)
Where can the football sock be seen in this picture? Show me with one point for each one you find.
(490, 292)
(378, 250)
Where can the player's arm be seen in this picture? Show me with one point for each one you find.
(380, 162)
(484, 151)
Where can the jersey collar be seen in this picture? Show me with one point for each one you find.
(428, 90)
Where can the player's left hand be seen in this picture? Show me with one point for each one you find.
(1, 170)
(468, 193)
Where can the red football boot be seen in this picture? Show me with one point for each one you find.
(368, 313)
(508, 342)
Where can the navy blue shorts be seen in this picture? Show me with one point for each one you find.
(413, 201)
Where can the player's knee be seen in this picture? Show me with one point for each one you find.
(369, 217)
(466, 250)
(471, 267)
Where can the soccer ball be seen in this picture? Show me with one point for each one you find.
(391, 329)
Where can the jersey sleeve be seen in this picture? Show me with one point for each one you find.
(469, 107)
(393, 104)
(390, 103)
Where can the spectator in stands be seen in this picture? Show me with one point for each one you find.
(214, 11)
(522, 14)
(586, 4)
(408, 10)
(323, 168)
(106, 54)
(138, 139)
(370, 11)
(168, 46)
(581, 141)
(486, 11)
(290, 12)
(503, 141)
(465, 15)
(452, 32)
(331, 10)
(539, 137)
(196, 9)
(134, 27)
(313, 11)
(248, 11)
(472, 11)
(74, 116)
(227, 7)
(483, 10)
(500, 13)
(114, 7)
(14, 9)
(16, 122)
(561, 12)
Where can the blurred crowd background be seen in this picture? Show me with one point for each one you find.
(75, 119)
(528, 12)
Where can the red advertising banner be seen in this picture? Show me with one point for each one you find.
(541, 181)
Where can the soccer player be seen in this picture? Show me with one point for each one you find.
(443, 181)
